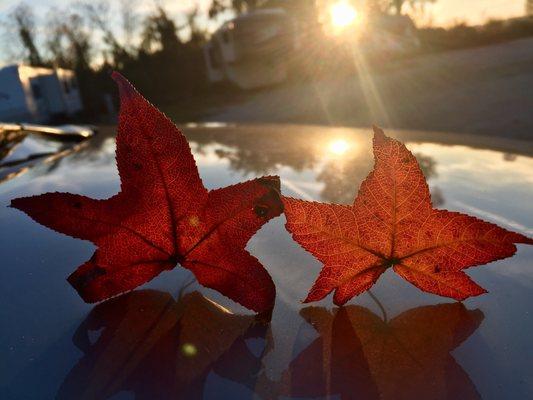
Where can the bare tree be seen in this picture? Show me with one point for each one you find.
(197, 35)
(98, 13)
(130, 21)
(238, 6)
(55, 43)
(160, 33)
(79, 40)
(24, 23)
(397, 5)
(69, 40)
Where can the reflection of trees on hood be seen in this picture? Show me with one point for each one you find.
(49, 156)
(359, 355)
(261, 151)
(342, 179)
(160, 348)
(257, 153)
(8, 141)
(99, 149)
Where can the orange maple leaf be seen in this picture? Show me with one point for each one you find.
(392, 224)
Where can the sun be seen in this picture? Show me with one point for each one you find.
(338, 147)
(343, 14)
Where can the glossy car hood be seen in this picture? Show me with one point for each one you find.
(53, 344)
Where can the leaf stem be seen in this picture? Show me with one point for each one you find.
(376, 300)
(184, 286)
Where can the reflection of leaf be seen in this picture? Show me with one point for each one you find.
(360, 356)
(207, 330)
(159, 348)
(333, 364)
(162, 216)
(392, 224)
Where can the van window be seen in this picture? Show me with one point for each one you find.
(36, 90)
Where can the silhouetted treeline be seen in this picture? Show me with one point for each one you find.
(162, 58)
(462, 35)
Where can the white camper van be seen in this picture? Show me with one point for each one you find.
(252, 50)
(31, 94)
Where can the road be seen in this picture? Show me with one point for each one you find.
(486, 90)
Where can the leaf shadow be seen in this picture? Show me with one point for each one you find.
(148, 343)
(358, 355)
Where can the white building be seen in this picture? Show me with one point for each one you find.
(39, 95)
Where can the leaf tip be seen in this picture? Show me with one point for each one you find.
(339, 302)
(264, 317)
(527, 240)
(314, 296)
(477, 291)
(271, 181)
(477, 316)
(125, 88)
(378, 133)
(17, 203)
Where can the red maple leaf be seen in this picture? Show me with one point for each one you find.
(163, 215)
(393, 224)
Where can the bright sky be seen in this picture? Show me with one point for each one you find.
(39, 5)
(448, 12)
(442, 13)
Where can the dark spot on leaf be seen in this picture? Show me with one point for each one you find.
(137, 166)
(437, 269)
(261, 210)
(76, 204)
(405, 160)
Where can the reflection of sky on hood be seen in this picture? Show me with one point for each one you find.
(491, 184)
(483, 182)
